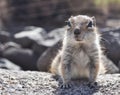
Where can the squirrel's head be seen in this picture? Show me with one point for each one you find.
(81, 28)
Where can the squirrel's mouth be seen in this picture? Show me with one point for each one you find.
(77, 38)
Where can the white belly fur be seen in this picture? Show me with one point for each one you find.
(80, 66)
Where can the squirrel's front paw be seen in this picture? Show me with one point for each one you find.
(66, 86)
(92, 84)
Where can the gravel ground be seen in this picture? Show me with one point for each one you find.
(40, 83)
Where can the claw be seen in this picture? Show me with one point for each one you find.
(92, 84)
(66, 86)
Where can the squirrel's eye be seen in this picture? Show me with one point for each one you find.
(90, 24)
(68, 23)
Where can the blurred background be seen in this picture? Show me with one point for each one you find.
(51, 14)
(31, 30)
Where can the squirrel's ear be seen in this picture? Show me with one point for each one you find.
(94, 20)
(71, 19)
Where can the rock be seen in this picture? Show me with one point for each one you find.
(6, 64)
(11, 44)
(52, 38)
(35, 39)
(56, 35)
(29, 36)
(22, 57)
(8, 45)
(112, 43)
(119, 66)
(46, 58)
(32, 38)
(38, 49)
(110, 67)
(4, 36)
(40, 83)
(1, 49)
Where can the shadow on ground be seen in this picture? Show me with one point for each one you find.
(79, 87)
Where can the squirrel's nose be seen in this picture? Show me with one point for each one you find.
(77, 31)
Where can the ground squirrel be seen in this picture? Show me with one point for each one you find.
(80, 55)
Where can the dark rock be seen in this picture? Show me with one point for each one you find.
(46, 58)
(110, 67)
(1, 49)
(4, 36)
(119, 66)
(112, 43)
(11, 44)
(29, 36)
(6, 64)
(38, 49)
(8, 45)
(22, 57)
